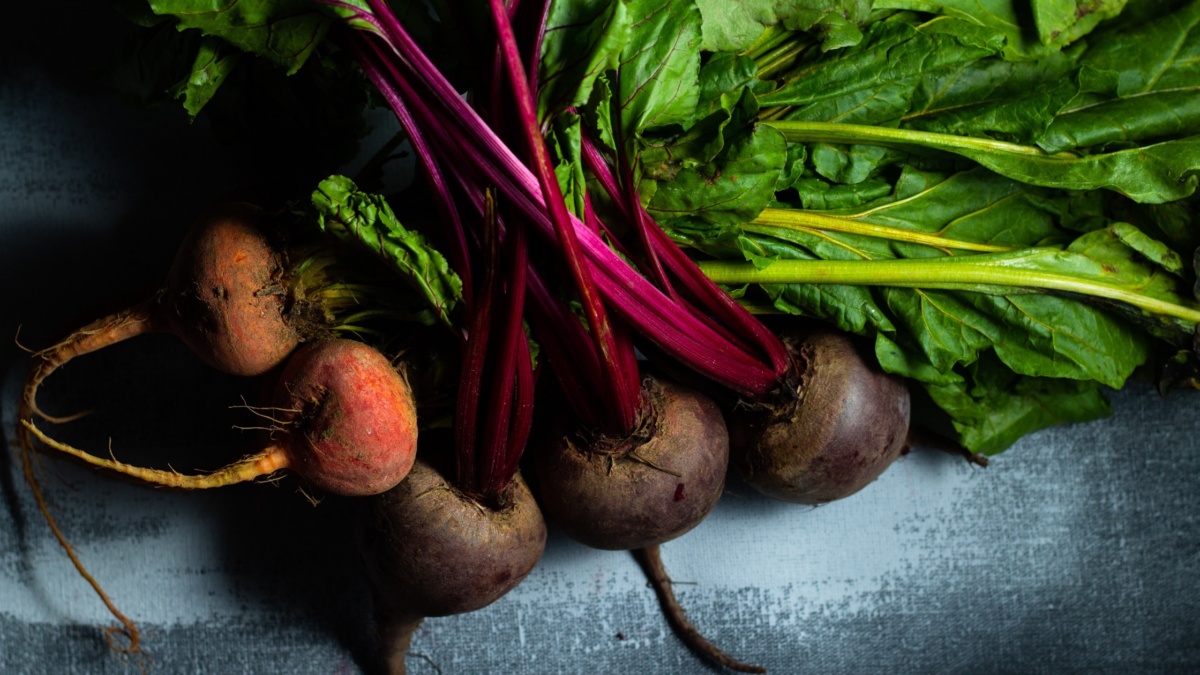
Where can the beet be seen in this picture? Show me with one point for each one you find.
(846, 424)
(224, 295)
(347, 419)
(430, 550)
(342, 418)
(641, 490)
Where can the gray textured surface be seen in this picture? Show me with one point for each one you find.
(1078, 551)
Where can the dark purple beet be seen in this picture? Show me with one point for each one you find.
(847, 424)
(429, 550)
(642, 490)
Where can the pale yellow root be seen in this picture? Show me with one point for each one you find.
(96, 335)
(260, 464)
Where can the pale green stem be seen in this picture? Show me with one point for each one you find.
(780, 58)
(831, 132)
(795, 219)
(768, 40)
(951, 273)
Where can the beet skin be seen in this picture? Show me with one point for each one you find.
(638, 491)
(349, 423)
(224, 296)
(847, 424)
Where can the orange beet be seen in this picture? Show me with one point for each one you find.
(348, 420)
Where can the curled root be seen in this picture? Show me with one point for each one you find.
(96, 335)
(123, 639)
(650, 560)
(250, 467)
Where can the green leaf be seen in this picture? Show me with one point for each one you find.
(818, 194)
(347, 212)
(1062, 23)
(733, 26)
(850, 164)
(583, 38)
(283, 31)
(875, 82)
(564, 143)
(214, 61)
(1035, 354)
(1138, 84)
(996, 98)
(732, 189)
(659, 67)
(991, 407)
(1151, 174)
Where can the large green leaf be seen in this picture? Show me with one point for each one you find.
(734, 26)
(1137, 84)
(284, 31)
(658, 81)
(1156, 173)
(1053, 25)
(996, 98)
(583, 38)
(875, 82)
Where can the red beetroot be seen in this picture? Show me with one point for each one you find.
(847, 423)
(430, 550)
(644, 489)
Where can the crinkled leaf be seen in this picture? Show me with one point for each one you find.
(722, 79)
(663, 158)
(348, 212)
(817, 194)
(214, 61)
(992, 407)
(732, 189)
(284, 31)
(850, 164)
(723, 97)
(793, 167)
